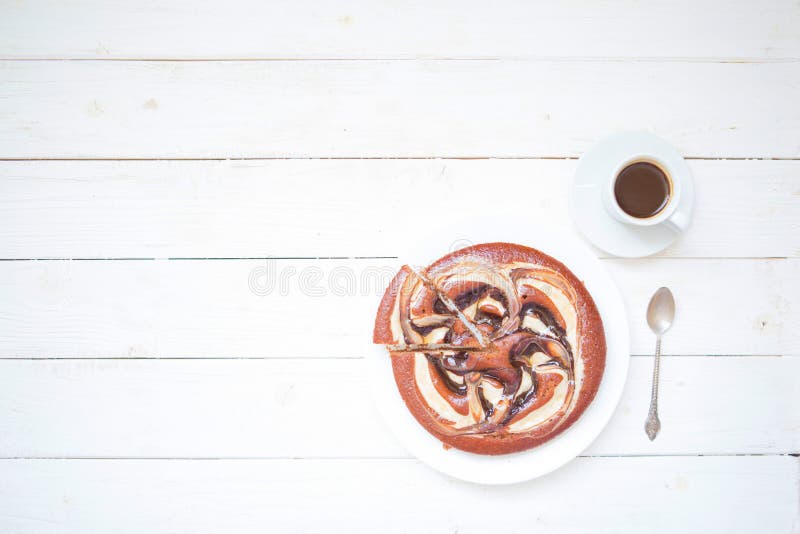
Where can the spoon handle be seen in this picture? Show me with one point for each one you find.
(652, 425)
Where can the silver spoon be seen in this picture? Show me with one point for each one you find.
(660, 313)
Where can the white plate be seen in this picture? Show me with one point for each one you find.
(593, 174)
(517, 467)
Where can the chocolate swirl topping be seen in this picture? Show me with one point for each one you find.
(488, 348)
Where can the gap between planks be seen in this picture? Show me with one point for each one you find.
(322, 358)
(307, 258)
(359, 458)
(531, 59)
(234, 159)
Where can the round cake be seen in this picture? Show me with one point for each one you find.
(496, 348)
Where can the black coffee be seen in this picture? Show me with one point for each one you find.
(642, 190)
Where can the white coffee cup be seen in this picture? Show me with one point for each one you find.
(667, 216)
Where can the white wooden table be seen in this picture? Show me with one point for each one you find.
(154, 155)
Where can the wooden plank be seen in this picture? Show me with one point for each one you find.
(708, 494)
(80, 109)
(363, 29)
(101, 209)
(271, 409)
(715, 298)
(257, 308)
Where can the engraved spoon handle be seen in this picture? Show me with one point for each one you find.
(652, 425)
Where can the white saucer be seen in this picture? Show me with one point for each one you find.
(586, 195)
(538, 461)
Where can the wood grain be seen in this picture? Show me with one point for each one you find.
(311, 208)
(674, 494)
(282, 408)
(80, 109)
(291, 308)
(364, 29)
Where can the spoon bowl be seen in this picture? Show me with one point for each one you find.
(661, 311)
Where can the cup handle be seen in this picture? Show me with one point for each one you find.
(678, 223)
